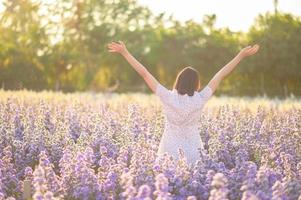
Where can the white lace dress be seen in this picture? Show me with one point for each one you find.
(182, 114)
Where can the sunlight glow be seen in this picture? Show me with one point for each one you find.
(238, 15)
(235, 14)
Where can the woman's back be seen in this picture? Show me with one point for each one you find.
(182, 114)
(182, 110)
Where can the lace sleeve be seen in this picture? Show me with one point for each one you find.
(206, 93)
(162, 93)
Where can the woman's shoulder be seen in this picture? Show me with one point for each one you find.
(206, 92)
(161, 90)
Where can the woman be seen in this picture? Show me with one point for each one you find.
(182, 105)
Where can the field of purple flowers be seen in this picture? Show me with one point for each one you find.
(85, 146)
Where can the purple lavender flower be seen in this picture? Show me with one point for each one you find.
(278, 191)
(144, 193)
(191, 198)
(68, 147)
(162, 189)
(127, 183)
(219, 189)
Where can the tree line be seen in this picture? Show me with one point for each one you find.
(62, 46)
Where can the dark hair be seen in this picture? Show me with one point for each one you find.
(187, 81)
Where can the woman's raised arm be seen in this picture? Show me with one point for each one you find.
(142, 71)
(228, 68)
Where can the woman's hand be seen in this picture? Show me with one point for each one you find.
(248, 51)
(142, 71)
(228, 68)
(117, 47)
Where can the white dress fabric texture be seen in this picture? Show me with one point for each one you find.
(182, 115)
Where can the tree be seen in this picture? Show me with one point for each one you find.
(23, 45)
(278, 64)
(275, 6)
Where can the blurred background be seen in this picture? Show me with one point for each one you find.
(60, 45)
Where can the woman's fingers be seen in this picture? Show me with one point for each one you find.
(255, 48)
(113, 45)
(111, 48)
(116, 47)
(250, 50)
(122, 43)
(247, 48)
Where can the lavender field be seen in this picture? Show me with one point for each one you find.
(87, 146)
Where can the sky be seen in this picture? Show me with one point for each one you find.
(238, 15)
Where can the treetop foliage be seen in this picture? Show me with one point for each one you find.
(62, 46)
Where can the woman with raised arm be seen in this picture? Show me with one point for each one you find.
(183, 104)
